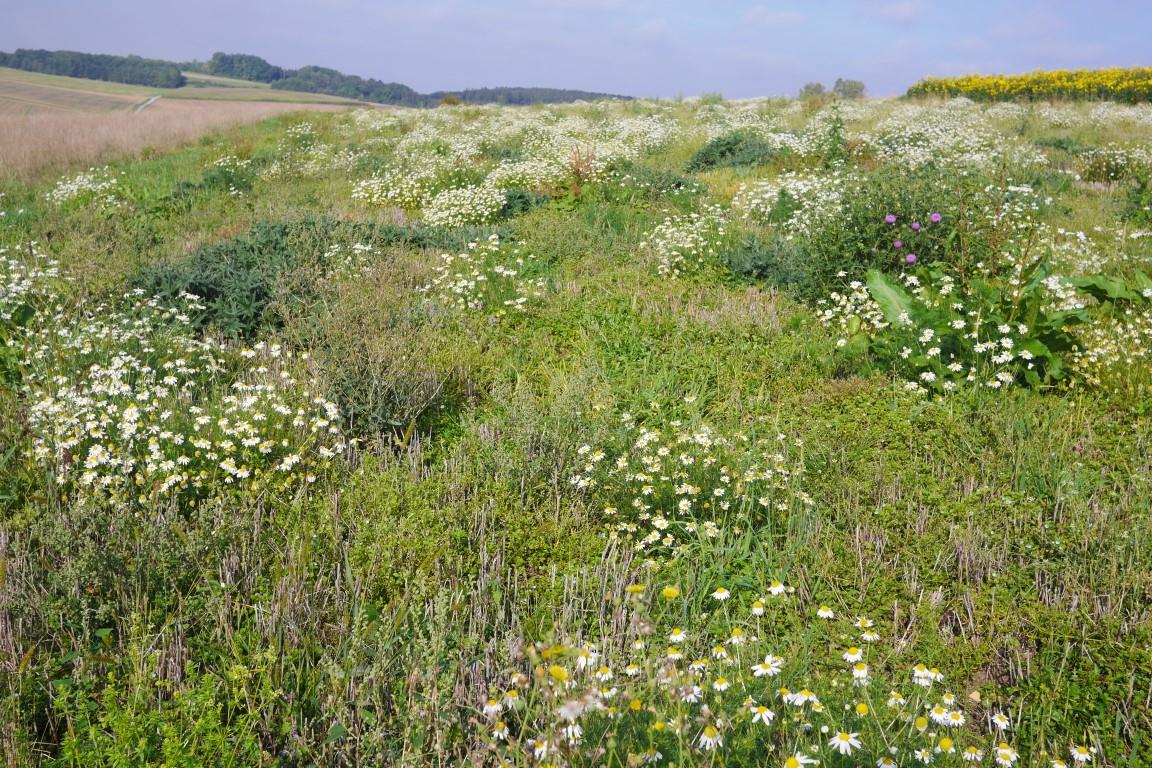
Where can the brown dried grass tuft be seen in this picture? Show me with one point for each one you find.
(35, 143)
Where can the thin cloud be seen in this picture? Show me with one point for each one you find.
(770, 17)
(901, 12)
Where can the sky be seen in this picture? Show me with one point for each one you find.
(657, 48)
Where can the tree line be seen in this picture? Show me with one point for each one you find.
(96, 66)
(243, 66)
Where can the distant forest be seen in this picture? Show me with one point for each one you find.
(314, 79)
(243, 66)
(96, 66)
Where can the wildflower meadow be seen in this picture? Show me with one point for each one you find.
(630, 433)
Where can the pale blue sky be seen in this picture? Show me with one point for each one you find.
(638, 47)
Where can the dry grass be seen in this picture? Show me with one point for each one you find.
(34, 143)
(20, 98)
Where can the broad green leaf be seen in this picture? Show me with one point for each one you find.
(891, 298)
(1105, 288)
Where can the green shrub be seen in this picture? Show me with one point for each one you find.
(140, 721)
(736, 149)
(518, 201)
(630, 181)
(237, 279)
(775, 260)
(996, 329)
(1138, 203)
(1062, 143)
(845, 229)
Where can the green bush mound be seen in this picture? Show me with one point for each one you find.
(736, 149)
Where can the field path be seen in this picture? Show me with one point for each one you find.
(143, 106)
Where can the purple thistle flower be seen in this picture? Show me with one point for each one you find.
(915, 226)
(910, 258)
(935, 218)
(890, 218)
(898, 244)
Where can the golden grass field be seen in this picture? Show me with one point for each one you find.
(52, 122)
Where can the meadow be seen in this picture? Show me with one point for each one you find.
(693, 433)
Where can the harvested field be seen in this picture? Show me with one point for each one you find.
(56, 138)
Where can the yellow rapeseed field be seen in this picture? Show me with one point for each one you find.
(1118, 84)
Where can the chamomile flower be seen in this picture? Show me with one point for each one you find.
(761, 714)
(1082, 754)
(770, 667)
(824, 612)
(845, 743)
(710, 738)
(1006, 756)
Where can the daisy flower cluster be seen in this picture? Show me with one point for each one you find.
(535, 174)
(684, 242)
(801, 201)
(401, 187)
(26, 275)
(477, 204)
(488, 277)
(667, 489)
(704, 676)
(955, 135)
(1115, 350)
(1115, 163)
(96, 186)
(130, 407)
(950, 335)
